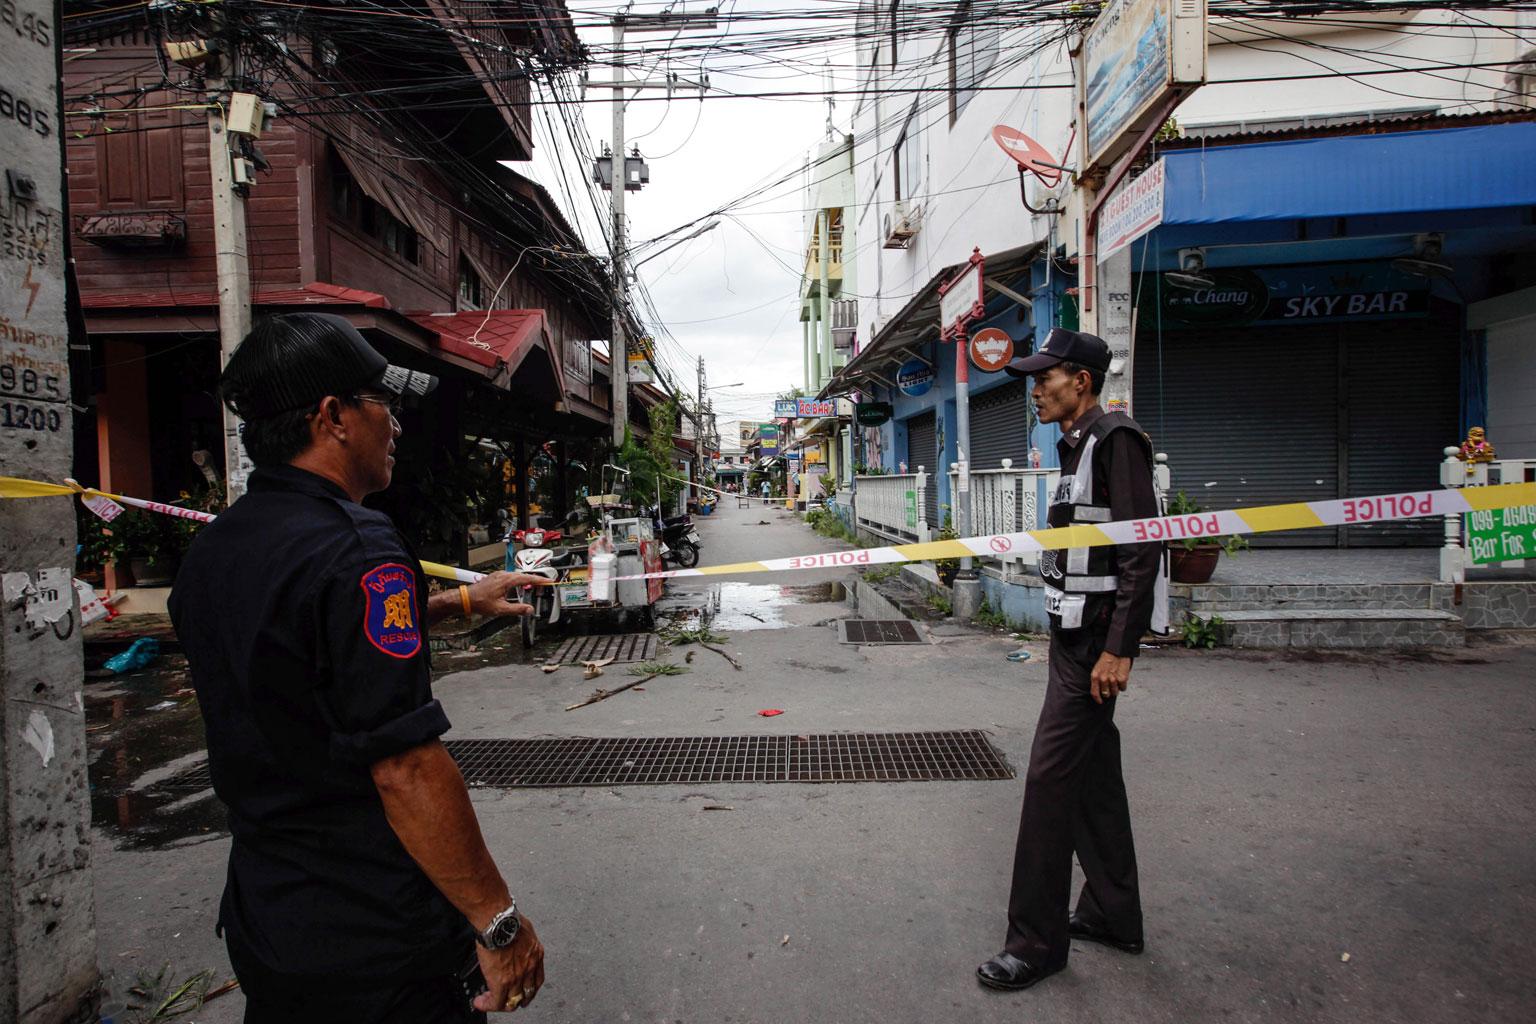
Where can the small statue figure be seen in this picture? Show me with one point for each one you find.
(1475, 448)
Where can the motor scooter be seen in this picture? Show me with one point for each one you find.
(680, 540)
(538, 552)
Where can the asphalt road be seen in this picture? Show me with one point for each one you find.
(1322, 838)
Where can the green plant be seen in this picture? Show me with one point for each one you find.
(829, 524)
(992, 618)
(702, 635)
(882, 572)
(1182, 504)
(656, 668)
(947, 532)
(1203, 633)
(941, 604)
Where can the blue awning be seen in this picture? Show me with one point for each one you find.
(1474, 168)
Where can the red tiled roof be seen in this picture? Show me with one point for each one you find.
(485, 337)
(317, 294)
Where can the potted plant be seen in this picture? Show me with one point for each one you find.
(1193, 559)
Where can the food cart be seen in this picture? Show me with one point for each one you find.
(636, 550)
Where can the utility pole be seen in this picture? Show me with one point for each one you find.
(618, 180)
(231, 257)
(699, 438)
(48, 972)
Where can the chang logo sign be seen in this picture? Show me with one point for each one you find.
(915, 378)
(1237, 297)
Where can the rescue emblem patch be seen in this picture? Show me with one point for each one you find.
(389, 622)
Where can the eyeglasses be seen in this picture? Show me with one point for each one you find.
(392, 402)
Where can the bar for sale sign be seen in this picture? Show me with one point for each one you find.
(1502, 534)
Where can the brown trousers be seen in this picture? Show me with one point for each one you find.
(1074, 801)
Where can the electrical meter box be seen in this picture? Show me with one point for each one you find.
(246, 114)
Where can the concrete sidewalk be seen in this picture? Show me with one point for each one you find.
(1289, 810)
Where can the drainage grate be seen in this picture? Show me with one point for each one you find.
(878, 631)
(823, 757)
(618, 646)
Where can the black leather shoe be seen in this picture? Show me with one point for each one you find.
(1078, 928)
(1006, 971)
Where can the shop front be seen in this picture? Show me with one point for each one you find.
(1320, 314)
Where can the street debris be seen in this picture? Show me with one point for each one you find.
(784, 941)
(548, 668)
(771, 712)
(1019, 655)
(593, 669)
(1344, 957)
(689, 657)
(138, 655)
(704, 638)
(718, 807)
(646, 671)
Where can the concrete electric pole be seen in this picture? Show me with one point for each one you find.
(48, 971)
(231, 257)
(619, 181)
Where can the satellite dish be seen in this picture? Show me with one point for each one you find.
(1029, 154)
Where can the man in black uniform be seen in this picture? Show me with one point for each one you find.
(359, 883)
(1101, 601)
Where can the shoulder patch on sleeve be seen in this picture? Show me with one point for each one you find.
(389, 620)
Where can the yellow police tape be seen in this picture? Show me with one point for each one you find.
(1261, 519)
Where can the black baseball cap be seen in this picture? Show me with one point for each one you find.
(292, 361)
(1063, 346)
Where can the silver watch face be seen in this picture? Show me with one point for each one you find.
(503, 930)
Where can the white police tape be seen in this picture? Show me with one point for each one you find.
(1245, 521)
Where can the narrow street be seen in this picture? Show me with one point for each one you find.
(1322, 837)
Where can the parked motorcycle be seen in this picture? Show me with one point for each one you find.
(539, 553)
(680, 540)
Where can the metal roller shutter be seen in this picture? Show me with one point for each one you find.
(1000, 423)
(923, 450)
(1247, 417)
(1402, 410)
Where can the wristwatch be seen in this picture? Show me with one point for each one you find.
(502, 931)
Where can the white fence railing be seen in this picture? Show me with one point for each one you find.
(1008, 500)
(1455, 559)
(893, 506)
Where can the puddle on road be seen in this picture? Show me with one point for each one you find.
(136, 725)
(745, 606)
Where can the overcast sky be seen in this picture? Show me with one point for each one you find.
(725, 295)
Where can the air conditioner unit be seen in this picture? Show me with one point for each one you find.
(901, 225)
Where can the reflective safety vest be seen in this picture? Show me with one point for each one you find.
(1073, 575)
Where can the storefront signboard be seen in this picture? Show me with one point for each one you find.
(1137, 56)
(914, 378)
(1502, 534)
(1132, 210)
(803, 408)
(1290, 295)
(873, 414)
(768, 439)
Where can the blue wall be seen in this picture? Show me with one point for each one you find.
(1045, 287)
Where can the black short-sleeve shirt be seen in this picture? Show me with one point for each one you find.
(302, 615)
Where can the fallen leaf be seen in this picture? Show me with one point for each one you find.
(784, 941)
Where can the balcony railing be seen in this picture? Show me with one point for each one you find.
(893, 506)
(1008, 500)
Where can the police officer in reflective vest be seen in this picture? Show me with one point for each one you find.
(1100, 600)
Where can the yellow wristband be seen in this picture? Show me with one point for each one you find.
(464, 600)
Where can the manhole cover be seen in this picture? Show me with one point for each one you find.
(618, 646)
(878, 631)
(822, 757)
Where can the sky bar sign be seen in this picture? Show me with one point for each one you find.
(1134, 208)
